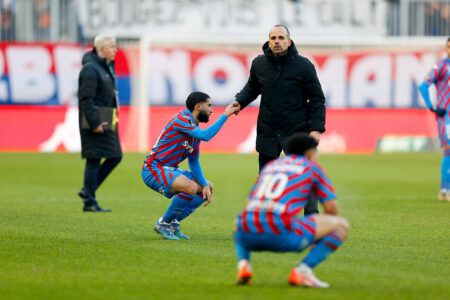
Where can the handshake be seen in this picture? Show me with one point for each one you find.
(439, 111)
(233, 108)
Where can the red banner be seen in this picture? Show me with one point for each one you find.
(55, 128)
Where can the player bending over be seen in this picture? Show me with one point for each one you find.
(179, 140)
(269, 221)
(440, 77)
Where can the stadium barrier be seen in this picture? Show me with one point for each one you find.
(55, 128)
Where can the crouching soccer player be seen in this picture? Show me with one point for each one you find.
(179, 140)
(269, 221)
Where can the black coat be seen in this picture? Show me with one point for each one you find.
(292, 99)
(97, 88)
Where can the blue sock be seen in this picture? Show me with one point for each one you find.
(179, 202)
(241, 252)
(191, 207)
(322, 250)
(445, 172)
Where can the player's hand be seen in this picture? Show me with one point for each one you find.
(315, 135)
(206, 195)
(99, 128)
(238, 105)
(439, 111)
(232, 109)
(211, 187)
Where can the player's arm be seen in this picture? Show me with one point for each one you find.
(330, 207)
(250, 91)
(323, 190)
(183, 125)
(197, 172)
(210, 132)
(423, 89)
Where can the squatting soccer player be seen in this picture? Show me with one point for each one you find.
(270, 222)
(439, 76)
(179, 140)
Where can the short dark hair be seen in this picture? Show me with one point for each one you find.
(285, 27)
(299, 143)
(448, 39)
(194, 98)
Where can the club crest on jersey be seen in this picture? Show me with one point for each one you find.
(188, 147)
(191, 122)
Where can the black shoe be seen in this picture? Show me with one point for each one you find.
(82, 194)
(94, 208)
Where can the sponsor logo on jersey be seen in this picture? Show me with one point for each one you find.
(188, 147)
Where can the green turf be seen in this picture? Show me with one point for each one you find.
(398, 246)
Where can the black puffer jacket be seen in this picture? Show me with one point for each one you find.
(97, 88)
(292, 99)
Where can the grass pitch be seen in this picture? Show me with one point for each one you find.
(397, 249)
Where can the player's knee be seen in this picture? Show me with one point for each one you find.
(189, 187)
(343, 228)
(192, 189)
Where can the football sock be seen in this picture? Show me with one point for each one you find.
(322, 250)
(303, 269)
(241, 252)
(179, 202)
(445, 172)
(243, 262)
(191, 207)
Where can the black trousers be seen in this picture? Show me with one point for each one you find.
(311, 206)
(94, 174)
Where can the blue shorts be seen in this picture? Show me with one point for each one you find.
(295, 241)
(161, 179)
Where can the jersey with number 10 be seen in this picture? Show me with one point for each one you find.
(440, 77)
(281, 192)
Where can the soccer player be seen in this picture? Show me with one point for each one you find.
(439, 76)
(270, 223)
(179, 140)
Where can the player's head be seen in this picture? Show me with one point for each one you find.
(105, 45)
(447, 47)
(279, 40)
(200, 106)
(302, 144)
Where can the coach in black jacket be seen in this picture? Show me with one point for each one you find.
(292, 99)
(97, 88)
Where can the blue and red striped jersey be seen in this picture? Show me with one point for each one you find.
(175, 143)
(439, 76)
(281, 192)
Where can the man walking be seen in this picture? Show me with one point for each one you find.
(98, 105)
(292, 99)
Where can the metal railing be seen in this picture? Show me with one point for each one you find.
(56, 20)
(38, 20)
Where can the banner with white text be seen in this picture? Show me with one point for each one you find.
(47, 74)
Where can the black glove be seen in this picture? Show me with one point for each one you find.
(439, 111)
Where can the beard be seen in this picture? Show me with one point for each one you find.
(203, 117)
